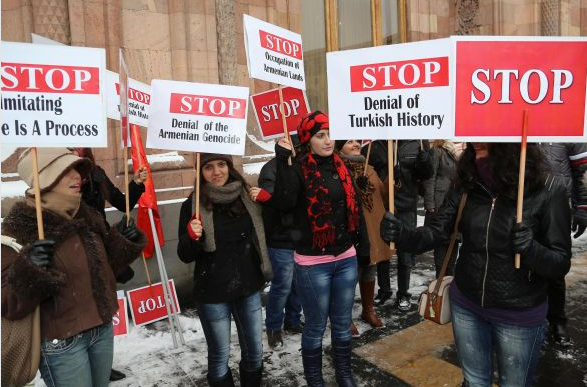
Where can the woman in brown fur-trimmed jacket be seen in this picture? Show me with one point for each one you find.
(70, 274)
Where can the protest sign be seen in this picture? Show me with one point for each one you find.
(139, 98)
(120, 319)
(546, 76)
(390, 92)
(266, 108)
(147, 304)
(274, 54)
(197, 117)
(53, 95)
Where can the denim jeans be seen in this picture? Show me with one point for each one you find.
(215, 319)
(327, 290)
(517, 349)
(282, 294)
(83, 360)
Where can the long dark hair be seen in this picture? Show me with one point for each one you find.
(237, 207)
(504, 162)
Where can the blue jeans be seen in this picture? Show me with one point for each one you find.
(327, 290)
(517, 348)
(282, 294)
(83, 360)
(215, 319)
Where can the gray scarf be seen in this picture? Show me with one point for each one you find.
(227, 194)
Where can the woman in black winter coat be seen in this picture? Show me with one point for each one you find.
(494, 306)
(227, 243)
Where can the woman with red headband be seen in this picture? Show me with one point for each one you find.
(319, 190)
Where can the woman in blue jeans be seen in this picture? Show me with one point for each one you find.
(496, 307)
(70, 274)
(227, 243)
(319, 189)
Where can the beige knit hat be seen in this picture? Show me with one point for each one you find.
(53, 163)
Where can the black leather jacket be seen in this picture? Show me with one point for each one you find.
(485, 270)
(414, 166)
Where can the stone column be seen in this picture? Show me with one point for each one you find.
(51, 19)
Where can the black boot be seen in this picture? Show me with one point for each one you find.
(341, 355)
(312, 360)
(226, 381)
(116, 375)
(250, 378)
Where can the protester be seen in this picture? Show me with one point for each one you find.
(97, 189)
(319, 189)
(70, 274)
(494, 305)
(444, 155)
(279, 236)
(373, 196)
(412, 168)
(567, 161)
(232, 265)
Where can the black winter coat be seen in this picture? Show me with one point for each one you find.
(414, 166)
(485, 270)
(568, 161)
(92, 196)
(279, 225)
(289, 195)
(234, 269)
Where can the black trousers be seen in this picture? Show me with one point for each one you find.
(556, 301)
(405, 260)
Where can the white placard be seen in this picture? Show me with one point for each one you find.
(274, 54)
(53, 96)
(391, 92)
(197, 117)
(139, 97)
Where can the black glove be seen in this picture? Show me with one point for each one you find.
(281, 152)
(98, 175)
(391, 228)
(579, 223)
(130, 232)
(42, 251)
(522, 237)
(362, 182)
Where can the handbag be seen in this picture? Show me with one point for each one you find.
(21, 342)
(434, 304)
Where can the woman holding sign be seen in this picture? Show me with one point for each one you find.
(70, 274)
(373, 196)
(494, 306)
(227, 243)
(326, 207)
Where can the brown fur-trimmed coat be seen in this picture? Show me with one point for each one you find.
(78, 290)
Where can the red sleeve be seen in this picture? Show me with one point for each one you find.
(263, 196)
(190, 231)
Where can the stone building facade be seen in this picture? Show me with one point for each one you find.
(202, 41)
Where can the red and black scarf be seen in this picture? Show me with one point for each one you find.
(319, 202)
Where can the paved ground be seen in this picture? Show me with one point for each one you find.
(407, 352)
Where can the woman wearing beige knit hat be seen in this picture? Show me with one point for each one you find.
(70, 274)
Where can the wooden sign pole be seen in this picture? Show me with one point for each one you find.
(40, 229)
(198, 185)
(520, 205)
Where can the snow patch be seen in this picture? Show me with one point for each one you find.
(13, 189)
(163, 158)
(253, 168)
(269, 146)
